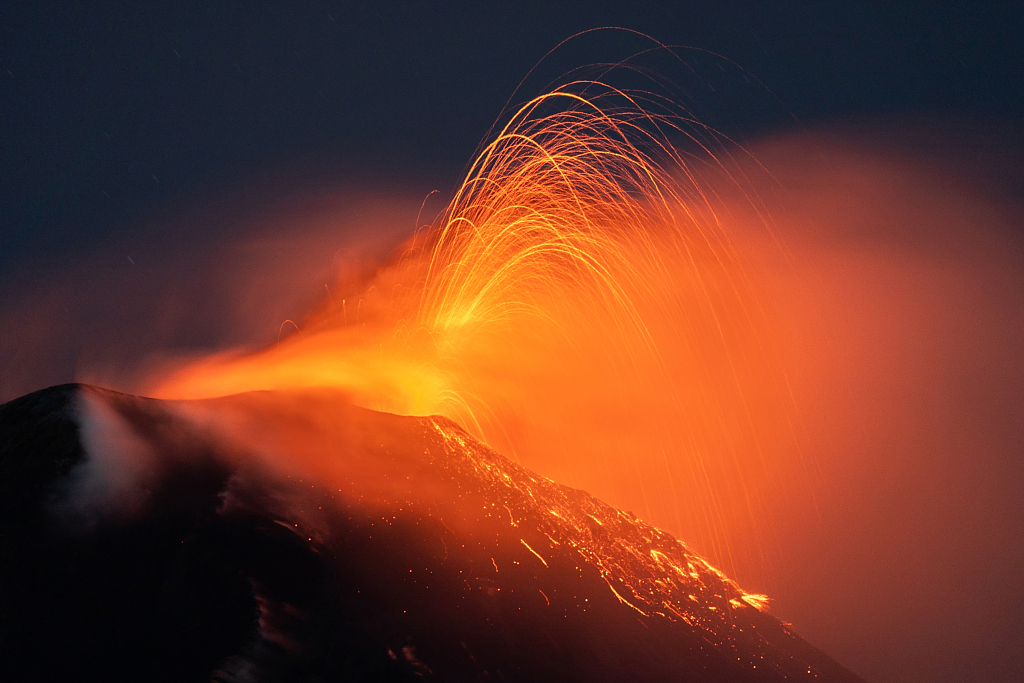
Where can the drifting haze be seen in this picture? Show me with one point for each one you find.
(886, 496)
(225, 276)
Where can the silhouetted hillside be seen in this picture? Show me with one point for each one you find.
(275, 537)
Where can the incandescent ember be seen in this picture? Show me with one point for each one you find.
(294, 536)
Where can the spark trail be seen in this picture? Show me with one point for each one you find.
(578, 305)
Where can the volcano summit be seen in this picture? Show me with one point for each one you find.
(293, 536)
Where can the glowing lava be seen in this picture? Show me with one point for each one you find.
(576, 305)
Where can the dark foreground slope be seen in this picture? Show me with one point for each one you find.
(271, 537)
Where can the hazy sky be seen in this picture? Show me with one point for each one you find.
(155, 136)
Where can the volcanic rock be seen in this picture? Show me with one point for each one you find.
(296, 537)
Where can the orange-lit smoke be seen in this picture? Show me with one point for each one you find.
(886, 335)
(580, 306)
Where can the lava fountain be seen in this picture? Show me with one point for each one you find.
(579, 306)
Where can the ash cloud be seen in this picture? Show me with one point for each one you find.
(903, 297)
(900, 296)
(220, 276)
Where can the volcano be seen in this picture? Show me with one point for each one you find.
(276, 536)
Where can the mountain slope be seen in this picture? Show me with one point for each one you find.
(273, 536)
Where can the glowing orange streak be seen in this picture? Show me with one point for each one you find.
(623, 600)
(534, 552)
(575, 299)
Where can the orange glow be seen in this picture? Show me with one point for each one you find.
(580, 307)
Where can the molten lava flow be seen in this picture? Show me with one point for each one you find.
(578, 306)
(294, 532)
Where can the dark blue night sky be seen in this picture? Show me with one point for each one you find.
(135, 137)
(112, 111)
